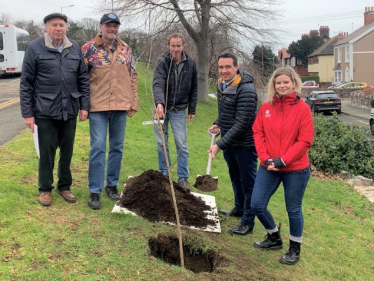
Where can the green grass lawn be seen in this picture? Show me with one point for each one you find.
(72, 242)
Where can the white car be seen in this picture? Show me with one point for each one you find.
(310, 84)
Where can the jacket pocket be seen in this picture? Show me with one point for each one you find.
(48, 104)
(76, 95)
(48, 63)
(72, 62)
(74, 103)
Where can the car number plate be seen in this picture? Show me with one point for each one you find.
(328, 102)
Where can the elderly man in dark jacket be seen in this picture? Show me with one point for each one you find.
(237, 108)
(54, 87)
(175, 90)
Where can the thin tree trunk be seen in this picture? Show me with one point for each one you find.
(203, 71)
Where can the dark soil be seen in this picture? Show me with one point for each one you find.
(206, 183)
(195, 259)
(149, 196)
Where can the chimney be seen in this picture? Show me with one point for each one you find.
(342, 34)
(313, 32)
(368, 15)
(324, 30)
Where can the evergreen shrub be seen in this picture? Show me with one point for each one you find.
(341, 147)
(308, 78)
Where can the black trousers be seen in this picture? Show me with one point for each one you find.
(55, 134)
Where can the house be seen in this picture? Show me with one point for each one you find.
(354, 54)
(301, 69)
(321, 61)
(284, 57)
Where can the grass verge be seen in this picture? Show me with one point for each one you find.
(72, 242)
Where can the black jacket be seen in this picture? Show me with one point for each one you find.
(53, 85)
(237, 109)
(181, 91)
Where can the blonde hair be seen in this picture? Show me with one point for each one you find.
(290, 72)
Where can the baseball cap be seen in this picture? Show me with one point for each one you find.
(106, 18)
(55, 15)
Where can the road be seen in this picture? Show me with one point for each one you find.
(354, 120)
(10, 114)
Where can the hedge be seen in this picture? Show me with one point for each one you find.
(341, 147)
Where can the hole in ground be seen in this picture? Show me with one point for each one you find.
(166, 248)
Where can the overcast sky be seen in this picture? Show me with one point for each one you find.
(297, 16)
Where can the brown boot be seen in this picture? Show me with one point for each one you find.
(67, 195)
(45, 198)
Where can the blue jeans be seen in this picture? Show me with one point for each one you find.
(99, 122)
(242, 164)
(294, 184)
(177, 121)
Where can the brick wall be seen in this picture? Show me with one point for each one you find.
(343, 93)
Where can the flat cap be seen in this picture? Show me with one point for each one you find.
(106, 18)
(55, 15)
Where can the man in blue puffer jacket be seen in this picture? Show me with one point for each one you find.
(237, 108)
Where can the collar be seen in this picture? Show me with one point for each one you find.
(236, 80)
(228, 83)
(50, 44)
(291, 98)
(183, 59)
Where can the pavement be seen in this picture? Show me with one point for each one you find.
(348, 109)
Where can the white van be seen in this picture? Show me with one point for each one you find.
(13, 42)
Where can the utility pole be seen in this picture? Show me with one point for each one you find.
(262, 60)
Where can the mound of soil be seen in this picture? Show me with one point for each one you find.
(206, 183)
(149, 196)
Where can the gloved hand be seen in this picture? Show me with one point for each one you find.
(278, 163)
(268, 162)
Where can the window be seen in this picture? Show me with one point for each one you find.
(338, 76)
(339, 55)
(22, 41)
(327, 96)
(347, 55)
(347, 75)
(1, 41)
(293, 62)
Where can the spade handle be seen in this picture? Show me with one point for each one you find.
(208, 168)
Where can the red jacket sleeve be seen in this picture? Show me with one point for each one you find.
(259, 135)
(304, 139)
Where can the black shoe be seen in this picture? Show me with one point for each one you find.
(94, 201)
(232, 213)
(292, 256)
(112, 192)
(242, 229)
(272, 241)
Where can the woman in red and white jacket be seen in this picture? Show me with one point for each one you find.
(283, 132)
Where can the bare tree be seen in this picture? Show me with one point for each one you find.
(5, 18)
(90, 28)
(34, 30)
(247, 20)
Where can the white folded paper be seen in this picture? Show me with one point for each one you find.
(36, 140)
